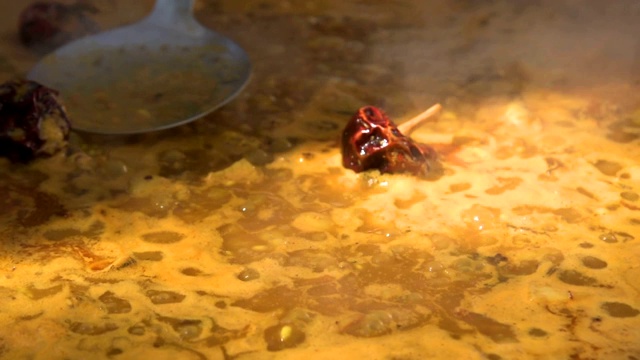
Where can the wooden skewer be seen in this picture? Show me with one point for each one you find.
(408, 127)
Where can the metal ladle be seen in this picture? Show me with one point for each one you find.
(161, 72)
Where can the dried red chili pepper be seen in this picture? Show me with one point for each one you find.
(46, 25)
(33, 122)
(372, 141)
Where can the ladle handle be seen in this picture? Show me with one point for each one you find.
(176, 14)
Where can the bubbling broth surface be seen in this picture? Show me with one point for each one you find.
(241, 236)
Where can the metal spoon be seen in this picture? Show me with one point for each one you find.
(163, 71)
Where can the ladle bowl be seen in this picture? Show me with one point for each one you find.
(161, 72)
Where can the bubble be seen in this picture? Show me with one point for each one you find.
(441, 241)
(91, 329)
(526, 267)
(619, 310)
(298, 316)
(382, 322)
(376, 323)
(535, 332)
(607, 167)
(574, 277)
(570, 215)
(593, 262)
(630, 196)
(189, 331)
(316, 236)
(467, 265)
(248, 274)
(283, 336)
(138, 330)
(480, 217)
(313, 222)
(164, 297)
(113, 304)
(220, 304)
(280, 144)
(83, 161)
(259, 157)
(609, 238)
(114, 169)
(555, 256)
(172, 162)
(434, 267)
(190, 271)
(243, 246)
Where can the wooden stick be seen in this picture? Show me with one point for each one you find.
(408, 127)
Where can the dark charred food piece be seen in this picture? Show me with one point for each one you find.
(371, 140)
(33, 122)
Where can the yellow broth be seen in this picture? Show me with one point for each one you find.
(241, 236)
